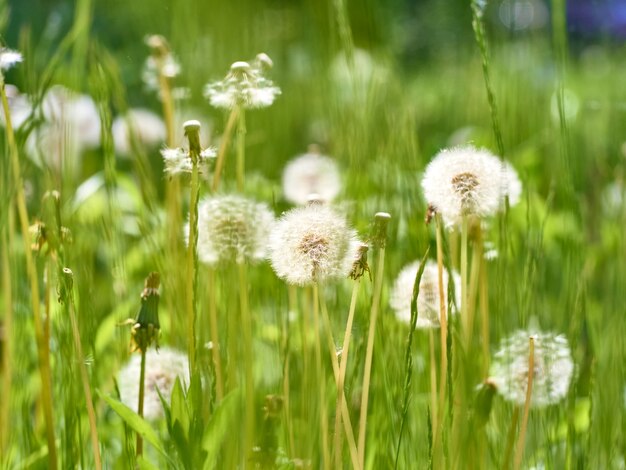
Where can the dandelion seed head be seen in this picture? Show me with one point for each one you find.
(162, 369)
(312, 243)
(20, 106)
(311, 173)
(428, 297)
(178, 161)
(139, 126)
(9, 58)
(465, 181)
(552, 374)
(233, 228)
(245, 85)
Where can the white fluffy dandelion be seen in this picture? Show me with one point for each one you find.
(428, 297)
(9, 58)
(466, 181)
(139, 126)
(233, 228)
(311, 173)
(552, 374)
(20, 106)
(162, 369)
(245, 85)
(312, 243)
(178, 161)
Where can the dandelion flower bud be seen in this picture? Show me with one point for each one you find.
(552, 374)
(245, 85)
(311, 173)
(162, 369)
(465, 181)
(233, 228)
(428, 313)
(312, 243)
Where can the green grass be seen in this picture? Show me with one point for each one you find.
(562, 254)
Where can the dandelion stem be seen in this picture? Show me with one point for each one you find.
(142, 389)
(221, 153)
(345, 415)
(519, 453)
(192, 129)
(477, 263)
(443, 374)
(378, 285)
(342, 372)
(241, 150)
(246, 321)
(215, 350)
(484, 312)
(42, 349)
(320, 378)
(91, 413)
(464, 293)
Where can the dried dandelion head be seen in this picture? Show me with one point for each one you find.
(466, 181)
(552, 372)
(311, 173)
(233, 229)
(312, 243)
(9, 58)
(163, 367)
(245, 85)
(428, 313)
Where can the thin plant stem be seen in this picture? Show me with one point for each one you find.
(345, 414)
(464, 280)
(7, 351)
(408, 356)
(192, 132)
(42, 349)
(443, 374)
(510, 439)
(433, 379)
(292, 294)
(91, 413)
(322, 383)
(342, 372)
(477, 263)
(484, 313)
(221, 153)
(369, 353)
(241, 150)
(519, 453)
(142, 390)
(246, 322)
(215, 350)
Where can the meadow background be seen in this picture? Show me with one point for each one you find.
(415, 84)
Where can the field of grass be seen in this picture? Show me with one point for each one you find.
(244, 369)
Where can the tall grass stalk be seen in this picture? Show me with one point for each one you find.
(248, 359)
(68, 280)
(519, 453)
(408, 356)
(31, 268)
(343, 367)
(479, 35)
(7, 352)
(343, 411)
(443, 373)
(381, 220)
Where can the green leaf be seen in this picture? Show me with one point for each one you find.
(222, 423)
(144, 464)
(136, 422)
(180, 412)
